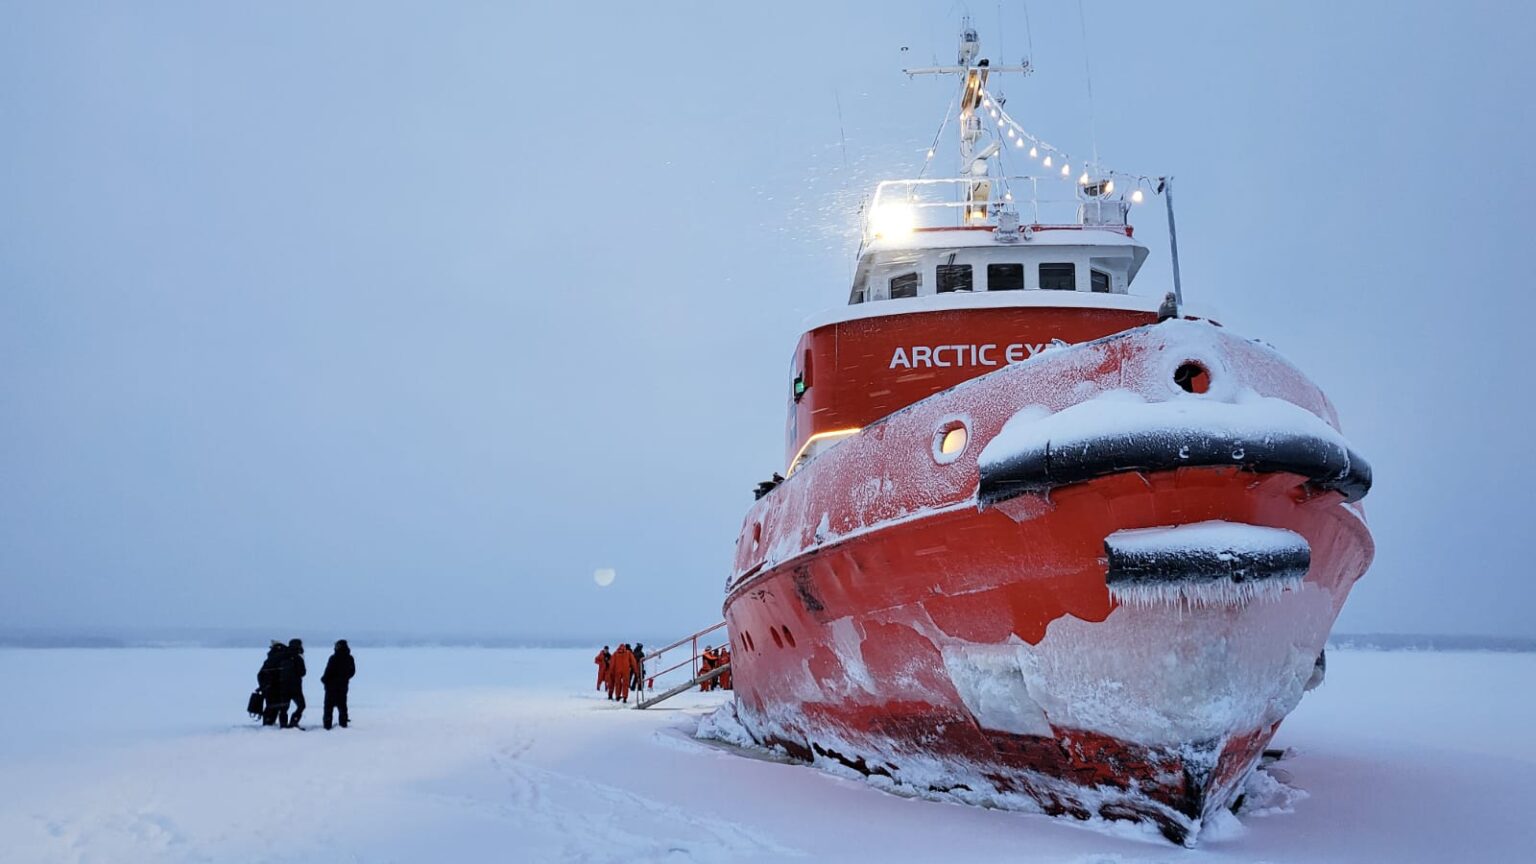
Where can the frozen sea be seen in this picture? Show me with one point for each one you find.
(473, 754)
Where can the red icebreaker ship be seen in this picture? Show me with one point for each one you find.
(1042, 543)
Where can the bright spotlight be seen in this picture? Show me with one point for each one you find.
(892, 220)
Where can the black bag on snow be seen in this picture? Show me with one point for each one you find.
(255, 704)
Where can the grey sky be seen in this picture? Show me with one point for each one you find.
(408, 317)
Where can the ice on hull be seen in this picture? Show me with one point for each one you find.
(1207, 564)
(1123, 719)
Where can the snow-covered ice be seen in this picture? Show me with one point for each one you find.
(484, 754)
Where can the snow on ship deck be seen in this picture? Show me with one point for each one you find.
(480, 754)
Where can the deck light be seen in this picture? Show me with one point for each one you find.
(1066, 169)
(892, 220)
(1047, 162)
(1083, 180)
(1033, 151)
(1137, 197)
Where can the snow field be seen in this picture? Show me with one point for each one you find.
(507, 755)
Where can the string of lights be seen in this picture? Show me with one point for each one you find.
(1012, 133)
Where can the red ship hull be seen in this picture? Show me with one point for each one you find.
(960, 621)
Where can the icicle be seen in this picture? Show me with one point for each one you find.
(1203, 594)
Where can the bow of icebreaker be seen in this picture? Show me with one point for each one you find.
(1101, 603)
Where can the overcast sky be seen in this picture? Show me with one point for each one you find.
(408, 317)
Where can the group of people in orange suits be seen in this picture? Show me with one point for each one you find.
(621, 671)
(714, 658)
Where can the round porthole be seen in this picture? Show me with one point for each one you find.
(1192, 377)
(949, 440)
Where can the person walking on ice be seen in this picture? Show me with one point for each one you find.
(621, 668)
(293, 681)
(336, 679)
(269, 681)
(637, 680)
(602, 660)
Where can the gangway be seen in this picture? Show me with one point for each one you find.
(684, 655)
(685, 686)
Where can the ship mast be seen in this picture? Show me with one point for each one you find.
(975, 158)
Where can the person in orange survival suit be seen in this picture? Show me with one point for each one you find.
(602, 659)
(621, 669)
(725, 660)
(708, 660)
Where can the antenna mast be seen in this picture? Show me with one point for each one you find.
(975, 157)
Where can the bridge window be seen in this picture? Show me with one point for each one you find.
(905, 285)
(1100, 281)
(1058, 277)
(1005, 277)
(954, 277)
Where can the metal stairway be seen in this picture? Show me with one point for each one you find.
(687, 651)
(684, 687)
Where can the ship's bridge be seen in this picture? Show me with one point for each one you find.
(917, 245)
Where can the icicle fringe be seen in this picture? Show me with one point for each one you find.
(1202, 594)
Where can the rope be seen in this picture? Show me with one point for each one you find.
(943, 124)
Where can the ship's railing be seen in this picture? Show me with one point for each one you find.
(900, 206)
(679, 658)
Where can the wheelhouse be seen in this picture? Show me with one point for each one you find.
(954, 262)
(944, 236)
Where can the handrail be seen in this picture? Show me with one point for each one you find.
(908, 204)
(712, 628)
(675, 666)
(711, 675)
(692, 660)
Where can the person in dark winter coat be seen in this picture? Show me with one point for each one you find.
(293, 681)
(270, 681)
(637, 682)
(336, 678)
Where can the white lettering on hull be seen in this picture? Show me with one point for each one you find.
(952, 356)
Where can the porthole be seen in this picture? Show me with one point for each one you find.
(953, 441)
(949, 440)
(746, 638)
(1192, 377)
(757, 533)
(788, 637)
(776, 639)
